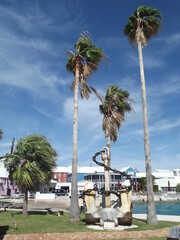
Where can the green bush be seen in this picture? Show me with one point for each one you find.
(178, 187)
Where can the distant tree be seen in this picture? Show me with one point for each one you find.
(178, 188)
(142, 184)
(142, 25)
(1, 133)
(81, 64)
(31, 164)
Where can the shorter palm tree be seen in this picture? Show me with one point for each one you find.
(113, 106)
(31, 165)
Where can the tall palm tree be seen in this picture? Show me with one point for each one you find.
(30, 165)
(142, 25)
(82, 64)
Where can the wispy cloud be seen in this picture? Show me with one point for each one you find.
(170, 85)
(27, 57)
(171, 39)
(88, 113)
(165, 125)
(150, 61)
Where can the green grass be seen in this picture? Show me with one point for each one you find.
(39, 222)
(142, 225)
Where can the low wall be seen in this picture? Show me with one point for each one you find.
(45, 195)
(159, 197)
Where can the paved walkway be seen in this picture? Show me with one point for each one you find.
(91, 235)
(169, 218)
(99, 235)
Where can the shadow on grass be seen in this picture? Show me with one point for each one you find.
(32, 213)
(141, 220)
(37, 213)
(3, 230)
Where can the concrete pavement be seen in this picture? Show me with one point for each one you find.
(168, 218)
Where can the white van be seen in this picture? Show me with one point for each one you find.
(67, 187)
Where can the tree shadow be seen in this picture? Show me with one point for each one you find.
(141, 220)
(36, 213)
(3, 231)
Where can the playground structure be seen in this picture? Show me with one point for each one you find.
(99, 206)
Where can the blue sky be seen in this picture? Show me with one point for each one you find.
(35, 86)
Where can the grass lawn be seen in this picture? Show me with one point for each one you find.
(39, 222)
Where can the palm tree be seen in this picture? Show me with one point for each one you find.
(31, 165)
(82, 64)
(142, 25)
(114, 107)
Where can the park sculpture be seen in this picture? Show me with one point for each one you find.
(106, 206)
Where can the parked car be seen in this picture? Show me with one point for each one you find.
(61, 192)
(31, 195)
(18, 195)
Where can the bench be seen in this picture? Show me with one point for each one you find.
(174, 233)
(60, 213)
(49, 210)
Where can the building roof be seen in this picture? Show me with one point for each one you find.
(126, 168)
(62, 169)
(3, 172)
(158, 173)
(163, 171)
(164, 182)
(90, 169)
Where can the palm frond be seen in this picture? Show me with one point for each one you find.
(114, 107)
(86, 60)
(31, 163)
(148, 19)
(101, 98)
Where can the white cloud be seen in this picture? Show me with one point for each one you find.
(89, 117)
(150, 61)
(27, 58)
(165, 125)
(171, 39)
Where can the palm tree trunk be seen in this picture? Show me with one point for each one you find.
(25, 204)
(74, 208)
(151, 211)
(107, 162)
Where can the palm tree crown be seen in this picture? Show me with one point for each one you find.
(145, 19)
(32, 162)
(86, 59)
(114, 107)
